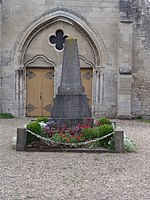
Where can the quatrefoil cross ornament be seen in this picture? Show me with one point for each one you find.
(58, 39)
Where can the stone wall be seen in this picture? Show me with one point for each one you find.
(0, 57)
(141, 60)
(121, 79)
(102, 17)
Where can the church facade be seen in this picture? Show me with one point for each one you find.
(114, 51)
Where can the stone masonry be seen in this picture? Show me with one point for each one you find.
(71, 103)
(113, 39)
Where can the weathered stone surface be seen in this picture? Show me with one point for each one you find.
(119, 141)
(71, 102)
(21, 139)
(108, 42)
(126, 11)
(73, 106)
(71, 77)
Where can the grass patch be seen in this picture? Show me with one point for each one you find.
(144, 120)
(6, 116)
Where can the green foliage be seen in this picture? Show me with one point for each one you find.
(102, 131)
(42, 119)
(6, 116)
(56, 137)
(35, 128)
(103, 121)
(139, 117)
(88, 133)
(67, 138)
(145, 120)
(129, 146)
(98, 132)
(111, 143)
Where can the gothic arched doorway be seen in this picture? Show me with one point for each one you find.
(38, 41)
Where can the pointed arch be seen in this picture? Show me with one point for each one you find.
(38, 57)
(51, 17)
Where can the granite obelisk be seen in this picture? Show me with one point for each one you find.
(71, 104)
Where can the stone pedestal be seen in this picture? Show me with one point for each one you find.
(71, 104)
(21, 139)
(119, 141)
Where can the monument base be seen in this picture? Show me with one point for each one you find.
(71, 106)
(74, 122)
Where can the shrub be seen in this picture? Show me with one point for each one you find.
(88, 133)
(6, 116)
(139, 117)
(103, 130)
(42, 119)
(98, 132)
(35, 128)
(103, 121)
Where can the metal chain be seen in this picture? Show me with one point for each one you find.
(69, 144)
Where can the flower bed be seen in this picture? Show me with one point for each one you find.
(44, 133)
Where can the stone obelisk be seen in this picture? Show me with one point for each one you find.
(71, 104)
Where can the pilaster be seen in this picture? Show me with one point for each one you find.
(125, 59)
(0, 56)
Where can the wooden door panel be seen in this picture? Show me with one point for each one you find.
(86, 75)
(48, 91)
(40, 91)
(33, 79)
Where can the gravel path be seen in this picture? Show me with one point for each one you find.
(75, 176)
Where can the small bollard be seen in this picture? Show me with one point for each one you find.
(21, 139)
(119, 141)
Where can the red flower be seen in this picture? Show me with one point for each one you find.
(78, 137)
(68, 140)
(61, 133)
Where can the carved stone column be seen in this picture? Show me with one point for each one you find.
(125, 59)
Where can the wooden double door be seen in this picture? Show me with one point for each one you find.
(40, 90)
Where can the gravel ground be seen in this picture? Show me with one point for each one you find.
(75, 176)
